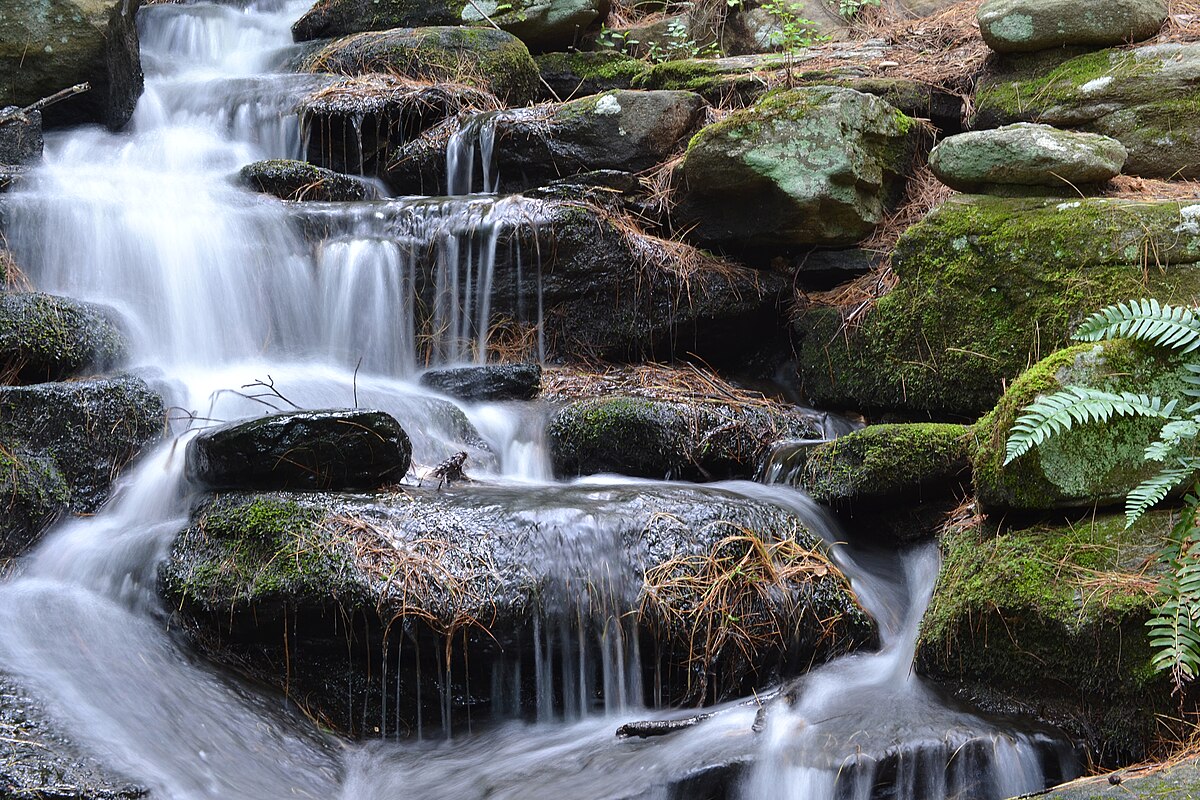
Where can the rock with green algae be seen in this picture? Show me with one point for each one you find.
(486, 58)
(541, 24)
(587, 72)
(1021, 26)
(1092, 464)
(811, 166)
(50, 45)
(1144, 97)
(909, 463)
(1050, 621)
(302, 590)
(44, 337)
(1176, 780)
(299, 180)
(986, 285)
(651, 438)
(33, 493)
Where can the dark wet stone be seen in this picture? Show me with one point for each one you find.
(45, 337)
(20, 138)
(486, 383)
(298, 180)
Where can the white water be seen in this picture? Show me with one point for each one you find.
(221, 289)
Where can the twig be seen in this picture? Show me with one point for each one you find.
(58, 96)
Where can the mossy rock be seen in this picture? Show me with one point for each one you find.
(91, 429)
(1019, 26)
(486, 58)
(986, 286)
(650, 438)
(1144, 97)
(33, 493)
(46, 338)
(298, 180)
(910, 463)
(1050, 620)
(588, 72)
(1092, 464)
(1176, 780)
(813, 166)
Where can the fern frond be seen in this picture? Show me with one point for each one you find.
(1175, 327)
(1171, 437)
(1151, 492)
(1051, 414)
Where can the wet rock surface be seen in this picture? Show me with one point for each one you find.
(297, 180)
(20, 137)
(45, 338)
(486, 383)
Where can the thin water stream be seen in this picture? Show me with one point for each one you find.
(221, 288)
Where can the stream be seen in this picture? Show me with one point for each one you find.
(220, 289)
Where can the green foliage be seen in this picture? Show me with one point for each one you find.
(1175, 626)
(680, 43)
(795, 32)
(849, 9)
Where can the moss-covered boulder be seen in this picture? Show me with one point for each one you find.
(814, 166)
(302, 450)
(486, 58)
(1144, 97)
(1093, 464)
(45, 338)
(581, 73)
(1022, 26)
(33, 493)
(623, 130)
(1027, 158)
(986, 287)
(541, 24)
(315, 593)
(1178, 779)
(49, 45)
(298, 180)
(89, 429)
(1050, 621)
(669, 439)
(909, 463)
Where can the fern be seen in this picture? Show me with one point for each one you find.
(1174, 327)
(1053, 414)
(1151, 491)
(1175, 625)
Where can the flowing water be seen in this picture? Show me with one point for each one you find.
(234, 309)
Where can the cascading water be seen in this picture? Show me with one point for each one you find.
(223, 289)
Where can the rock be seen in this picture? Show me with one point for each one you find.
(1094, 464)
(541, 24)
(490, 383)
(472, 573)
(485, 58)
(50, 45)
(1050, 621)
(1142, 97)
(33, 493)
(896, 464)
(584, 73)
(1026, 157)
(90, 429)
(669, 439)
(815, 166)
(1177, 780)
(1022, 26)
(985, 286)
(297, 180)
(44, 337)
(21, 138)
(302, 450)
(763, 31)
(629, 131)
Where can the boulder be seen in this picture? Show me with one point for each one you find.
(298, 180)
(315, 593)
(896, 464)
(20, 138)
(1143, 97)
(50, 45)
(1026, 158)
(1178, 779)
(813, 166)
(1050, 621)
(669, 439)
(45, 338)
(985, 287)
(588, 72)
(542, 24)
(302, 450)
(33, 493)
(1022, 26)
(1090, 465)
(491, 383)
(485, 58)
(90, 430)
(623, 130)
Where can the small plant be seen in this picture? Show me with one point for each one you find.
(849, 9)
(795, 32)
(1175, 625)
(678, 43)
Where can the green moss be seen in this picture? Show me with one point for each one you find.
(597, 65)
(885, 461)
(1053, 617)
(986, 286)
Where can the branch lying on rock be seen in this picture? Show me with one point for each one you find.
(59, 96)
(659, 727)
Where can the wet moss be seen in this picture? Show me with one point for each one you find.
(45, 338)
(32, 494)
